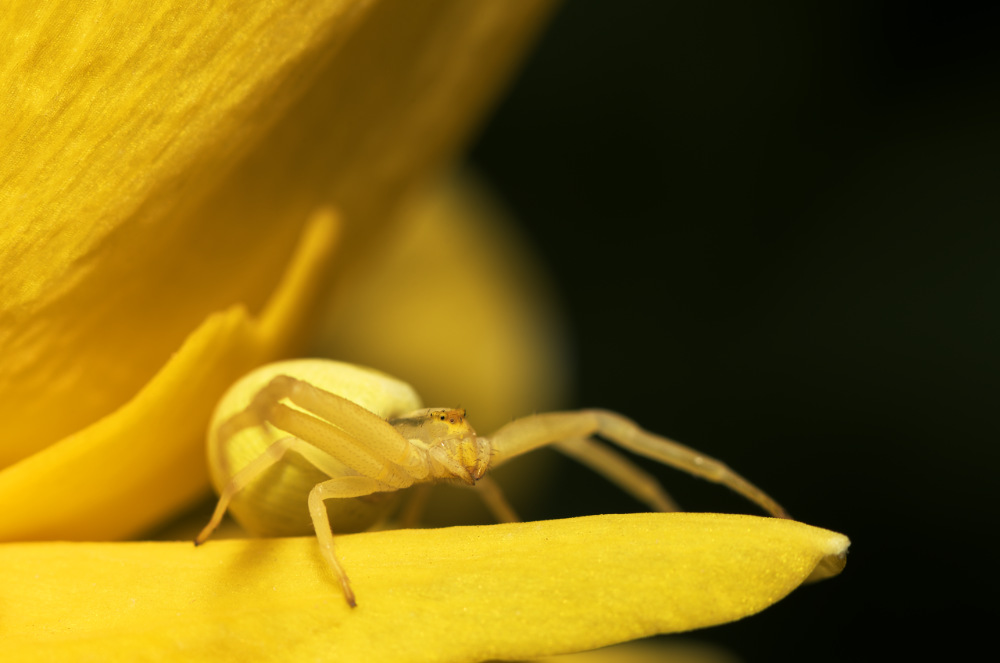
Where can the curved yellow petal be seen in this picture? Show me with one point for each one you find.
(157, 164)
(135, 467)
(458, 594)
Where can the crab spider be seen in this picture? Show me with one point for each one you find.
(359, 436)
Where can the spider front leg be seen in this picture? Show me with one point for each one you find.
(568, 432)
(360, 452)
(342, 487)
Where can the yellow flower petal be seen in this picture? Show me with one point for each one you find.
(157, 165)
(458, 594)
(140, 464)
(118, 140)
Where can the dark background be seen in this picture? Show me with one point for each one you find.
(774, 229)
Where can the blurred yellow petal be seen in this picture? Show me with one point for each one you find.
(117, 126)
(158, 165)
(134, 467)
(460, 594)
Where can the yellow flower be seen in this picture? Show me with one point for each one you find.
(167, 192)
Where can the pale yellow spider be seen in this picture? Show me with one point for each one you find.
(360, 435)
